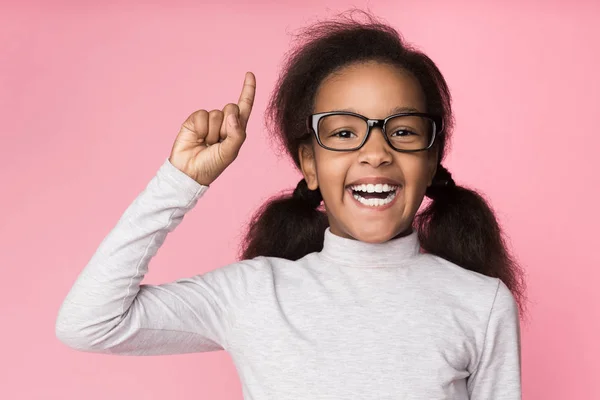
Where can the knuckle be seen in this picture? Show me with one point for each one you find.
(196, 121)
(199, 116)
(215, 114)
(230, 107)
(216, 118)
(194, 116)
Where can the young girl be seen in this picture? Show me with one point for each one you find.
(364, 300)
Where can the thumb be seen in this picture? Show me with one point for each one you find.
(235, 134)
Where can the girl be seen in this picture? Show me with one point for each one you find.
(366, 299)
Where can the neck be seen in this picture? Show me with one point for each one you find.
(397, 251)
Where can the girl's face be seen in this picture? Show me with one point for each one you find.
(374, 90)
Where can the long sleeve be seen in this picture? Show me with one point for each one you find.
(498, 374)
(108, 310)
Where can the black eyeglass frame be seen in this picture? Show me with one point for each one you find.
(313, 120)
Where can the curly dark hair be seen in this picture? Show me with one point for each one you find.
(457, 225)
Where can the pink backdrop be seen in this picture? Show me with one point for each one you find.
(92, 97)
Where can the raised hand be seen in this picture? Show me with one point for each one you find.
(208, 142)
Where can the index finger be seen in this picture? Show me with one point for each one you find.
(246, 99)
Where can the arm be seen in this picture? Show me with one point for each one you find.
(107, 310)
(498, 374)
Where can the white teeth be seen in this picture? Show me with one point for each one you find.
(375, 202)
(374, 188)
(371, 188)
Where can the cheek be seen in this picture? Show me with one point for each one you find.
(416, 174)
(332, 171)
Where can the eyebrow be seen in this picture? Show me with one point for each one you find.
(395, 110)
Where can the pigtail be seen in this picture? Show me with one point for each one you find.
(287, 226)
(460, 226)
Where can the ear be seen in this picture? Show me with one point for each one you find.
(308, 165)
(432, 163)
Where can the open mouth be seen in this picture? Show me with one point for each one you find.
(374, 195)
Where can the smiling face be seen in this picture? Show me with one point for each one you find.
(374, 90)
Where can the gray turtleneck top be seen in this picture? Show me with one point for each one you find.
(354, 321)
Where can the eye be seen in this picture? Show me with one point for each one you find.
(403, 132)
(343, 134)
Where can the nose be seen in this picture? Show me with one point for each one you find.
(376, 151)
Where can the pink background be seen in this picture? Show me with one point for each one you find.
(92, 96)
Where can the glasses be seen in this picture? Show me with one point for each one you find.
(348, 131)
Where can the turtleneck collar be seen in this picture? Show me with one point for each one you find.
(354, 253)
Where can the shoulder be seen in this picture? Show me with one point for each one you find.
(505, 305)
(483, 300)
(252, 273)
(479, 290)
(449, 270)
(242, 271)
